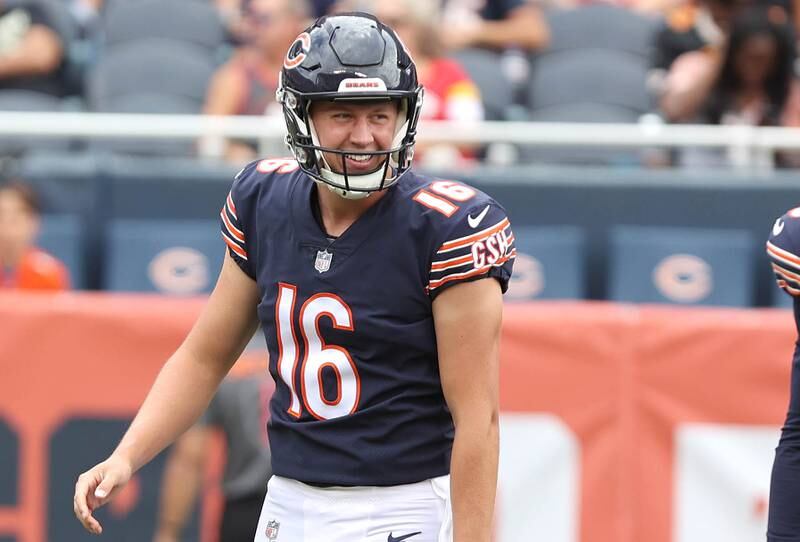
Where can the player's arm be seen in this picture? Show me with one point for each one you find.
(183, 476)
(467, 319)
(783, 250)
(181, 391)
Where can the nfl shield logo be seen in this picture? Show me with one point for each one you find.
(272, 530)
(323, 261)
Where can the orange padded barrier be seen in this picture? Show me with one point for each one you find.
(621, 378)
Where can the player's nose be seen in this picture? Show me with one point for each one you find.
(361, 134)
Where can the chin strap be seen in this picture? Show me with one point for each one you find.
(341, 192)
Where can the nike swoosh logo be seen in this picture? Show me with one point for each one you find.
(473, 221)
(778, 227)
(404, 537)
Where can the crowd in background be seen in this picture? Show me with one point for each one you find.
(725, 62)
(703, 61)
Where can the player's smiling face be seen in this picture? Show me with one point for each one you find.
(357, 127)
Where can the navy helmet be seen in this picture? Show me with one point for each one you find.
(353, 57)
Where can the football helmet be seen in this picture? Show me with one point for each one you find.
(350, 56)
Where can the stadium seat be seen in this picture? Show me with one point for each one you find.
(601, 26)
(485, 69)
(62, 236)
(156, 66)
(167, 256)
(586, 85)
(155, 76)
(684, 266)
(182, 20)
(596, 75)
(549, 263)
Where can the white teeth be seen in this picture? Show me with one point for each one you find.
(359, 157)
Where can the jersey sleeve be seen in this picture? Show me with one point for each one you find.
(478, 244)
(234, 220)
(784, 252)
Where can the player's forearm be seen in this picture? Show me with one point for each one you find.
(181, 392)
(473, 478)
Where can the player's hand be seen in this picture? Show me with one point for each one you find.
(96, 487)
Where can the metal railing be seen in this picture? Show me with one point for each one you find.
(752, 146)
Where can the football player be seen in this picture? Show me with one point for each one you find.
(783, 249)
(379, 292)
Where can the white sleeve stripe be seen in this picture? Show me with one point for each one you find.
(465, 261)
(784, 263)
(235, 232)
(777, 252)
(794, 292)
(231, 206)
(239, 251)
(785, 273)
(228, 212)
(469, 239)
(432, 285)
(439, 263)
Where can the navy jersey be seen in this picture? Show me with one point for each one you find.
(348, 321)
(783, 249)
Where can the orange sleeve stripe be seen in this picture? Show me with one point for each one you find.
(231, 206)
(782, 254)
(235, 232)
(481, 235)
(785, 273)
(437, 283)
(455, 262)
(792, 291)
(239, 251)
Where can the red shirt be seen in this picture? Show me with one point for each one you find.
(450, 94)
(37, 270)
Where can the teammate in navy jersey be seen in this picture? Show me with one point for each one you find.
(783, 249)
(379, 294)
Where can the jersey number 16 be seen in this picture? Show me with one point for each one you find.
(318, 355)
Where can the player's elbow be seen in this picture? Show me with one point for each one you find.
(482, 420)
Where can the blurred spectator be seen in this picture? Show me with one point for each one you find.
(22, 265)
(246, 84)
(247, 465)
(705, 28)
(497, 24)
(694, 26)
(450, 94)
(85, 13)
(31, 51)
(322, 7)
(751, 83)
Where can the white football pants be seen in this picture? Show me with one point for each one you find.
(296, 512)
